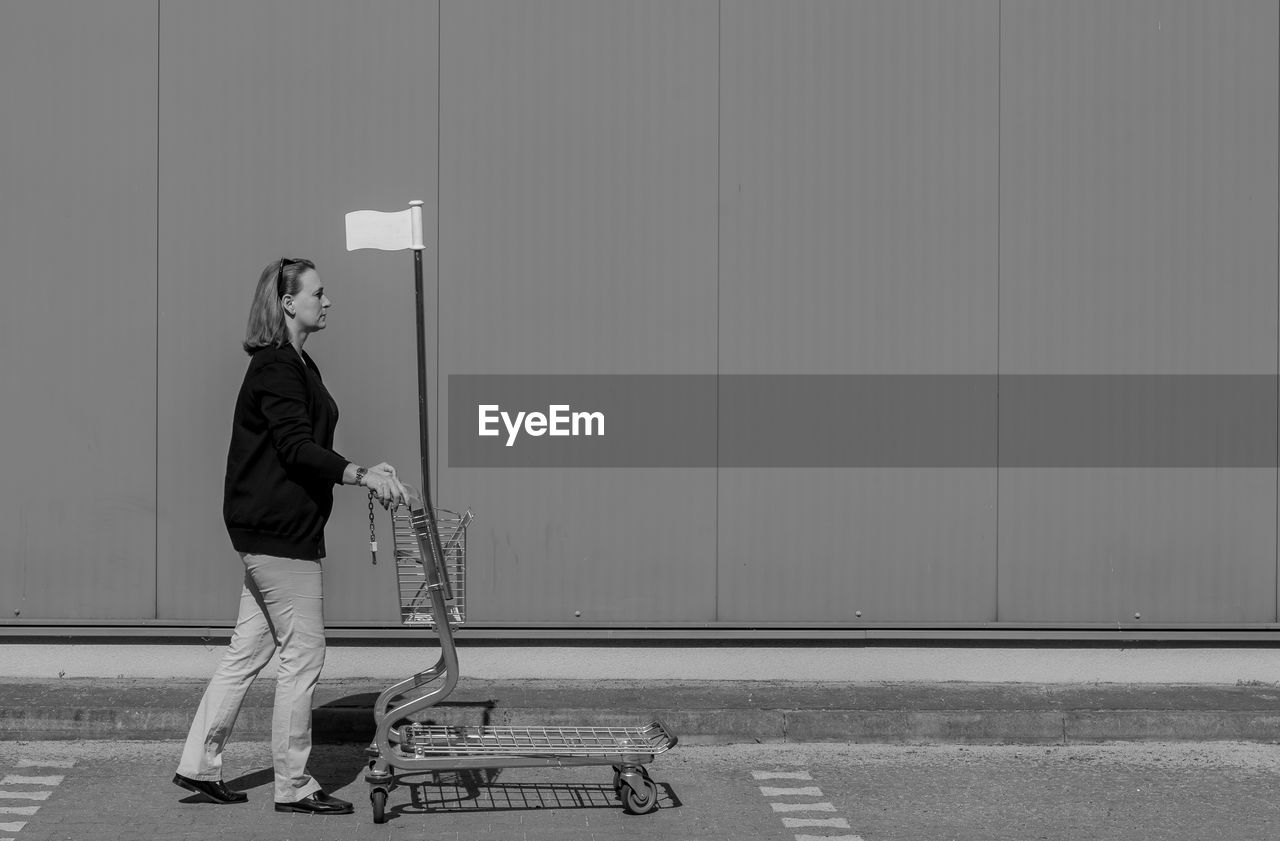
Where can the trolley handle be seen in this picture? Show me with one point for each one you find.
(432, 553)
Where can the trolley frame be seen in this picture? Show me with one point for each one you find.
(402, 747)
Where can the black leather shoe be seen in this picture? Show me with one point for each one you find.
(317, 804)
(215, 790)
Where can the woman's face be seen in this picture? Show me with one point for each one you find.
(309, 304)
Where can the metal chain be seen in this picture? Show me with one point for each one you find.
(373, 534)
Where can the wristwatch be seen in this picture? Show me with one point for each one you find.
(360, 471)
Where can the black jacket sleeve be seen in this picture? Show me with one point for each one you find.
(283, 400)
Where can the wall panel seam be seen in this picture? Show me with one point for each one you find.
(719, 85)
(999, 256)
(155, 485)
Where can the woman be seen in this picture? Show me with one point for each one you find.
(277, 496)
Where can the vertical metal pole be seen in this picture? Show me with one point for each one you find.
(424, 428)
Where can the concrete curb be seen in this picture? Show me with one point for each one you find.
(698, 712)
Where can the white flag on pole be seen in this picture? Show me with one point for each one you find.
(385, 231)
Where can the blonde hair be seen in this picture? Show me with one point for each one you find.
(266, 326)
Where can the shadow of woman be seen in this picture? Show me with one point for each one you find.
(342, 730)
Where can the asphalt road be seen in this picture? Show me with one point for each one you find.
(789, 792)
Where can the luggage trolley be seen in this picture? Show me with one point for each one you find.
(432, 586)
(431, 577)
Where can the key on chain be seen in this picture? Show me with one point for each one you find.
(373, 535)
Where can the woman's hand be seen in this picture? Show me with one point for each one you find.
(382, 480)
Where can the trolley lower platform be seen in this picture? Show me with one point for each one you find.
(427, 740)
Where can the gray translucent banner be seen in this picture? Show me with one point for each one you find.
(643, 420)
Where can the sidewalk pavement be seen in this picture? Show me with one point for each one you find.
(697, 711)
(77, 689)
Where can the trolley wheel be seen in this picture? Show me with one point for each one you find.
(378, 798)
(640, 802)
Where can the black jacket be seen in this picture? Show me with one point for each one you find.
(281, 467)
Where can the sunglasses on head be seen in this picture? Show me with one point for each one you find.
(284, 261)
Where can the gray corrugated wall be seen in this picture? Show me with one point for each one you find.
(578, 178)
(78, 311)
(858, 235)
(1138, 236)
(969, 187)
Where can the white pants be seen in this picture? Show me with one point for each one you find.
(281, 606)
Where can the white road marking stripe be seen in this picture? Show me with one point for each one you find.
(12, 826)
(24, 795)
(16, 780)
(803, 791)
(803, 807)
(806, 791)
(798, 823)
(45, 763)
(18, 810)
